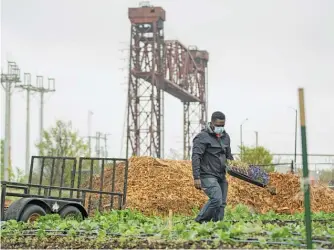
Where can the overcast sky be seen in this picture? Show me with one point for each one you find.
(261, 51)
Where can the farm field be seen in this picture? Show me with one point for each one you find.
(129, 229)
(156, 187)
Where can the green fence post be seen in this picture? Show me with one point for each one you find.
(306, 184)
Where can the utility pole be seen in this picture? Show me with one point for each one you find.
(29, 88)
(42, 90)
(241, 146)
(256, 138)
(97, 145)
(7, 80)
(105, 145)
(101, 149)
(90, 114)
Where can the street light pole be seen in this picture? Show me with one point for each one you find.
(240, 141)
(295, 158)
(241, 137)
(256, 138)
(296, 123)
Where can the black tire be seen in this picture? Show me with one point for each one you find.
(31, 212)
(71, 212)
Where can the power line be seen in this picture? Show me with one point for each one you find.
(292, 154)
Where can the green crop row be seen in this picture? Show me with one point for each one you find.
(128, 229)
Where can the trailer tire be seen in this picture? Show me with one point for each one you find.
(32, 212)
(71, 212)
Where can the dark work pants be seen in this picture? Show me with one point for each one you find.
(216, 190)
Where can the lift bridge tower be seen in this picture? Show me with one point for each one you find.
(158, 66)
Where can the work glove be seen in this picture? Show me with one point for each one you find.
(197, 183)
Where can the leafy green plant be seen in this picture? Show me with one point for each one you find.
(128, 229)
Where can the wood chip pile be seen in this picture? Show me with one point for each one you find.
(155, 186)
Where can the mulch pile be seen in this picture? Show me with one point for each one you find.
(155, 186)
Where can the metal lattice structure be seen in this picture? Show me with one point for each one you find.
(157, 66)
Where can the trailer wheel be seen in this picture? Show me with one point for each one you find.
(72, 213)
(31, 213)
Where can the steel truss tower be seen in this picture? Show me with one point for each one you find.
(157, 66)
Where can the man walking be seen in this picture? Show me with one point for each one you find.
(211, 149)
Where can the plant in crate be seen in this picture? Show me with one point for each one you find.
(250, 173)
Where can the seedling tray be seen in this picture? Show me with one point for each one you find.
(244, 178)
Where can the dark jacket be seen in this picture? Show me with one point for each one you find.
(209, 154)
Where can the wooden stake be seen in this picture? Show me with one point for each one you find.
(170, 219)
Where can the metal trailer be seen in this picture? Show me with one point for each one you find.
(65, 185)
